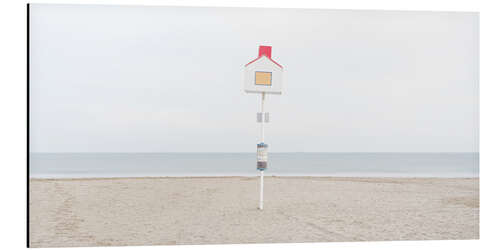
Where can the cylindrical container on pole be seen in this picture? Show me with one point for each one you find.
(262, 156)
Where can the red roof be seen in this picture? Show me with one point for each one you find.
(264, 51)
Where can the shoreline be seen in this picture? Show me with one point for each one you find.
(252, 176)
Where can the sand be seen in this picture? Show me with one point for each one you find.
(218, 210)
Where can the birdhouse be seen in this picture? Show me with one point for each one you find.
(263, 74)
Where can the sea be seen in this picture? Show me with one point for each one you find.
(98, 165)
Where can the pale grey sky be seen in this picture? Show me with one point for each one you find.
(169, 79)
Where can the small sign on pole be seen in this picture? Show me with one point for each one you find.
(263, 76)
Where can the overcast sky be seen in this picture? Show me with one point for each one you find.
(169, 79)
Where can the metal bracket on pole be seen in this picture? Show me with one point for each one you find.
(265, 115)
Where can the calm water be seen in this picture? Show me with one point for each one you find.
(72, 165)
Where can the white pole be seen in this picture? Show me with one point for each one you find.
(263, 117)
(261, 203)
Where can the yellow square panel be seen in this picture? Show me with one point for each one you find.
(263, 78)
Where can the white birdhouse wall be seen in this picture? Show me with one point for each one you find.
(263, 75)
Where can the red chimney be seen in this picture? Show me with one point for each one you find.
(265, 50)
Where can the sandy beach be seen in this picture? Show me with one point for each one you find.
(218, 210)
